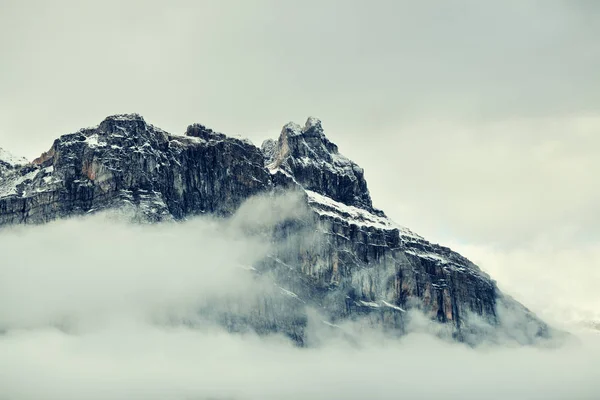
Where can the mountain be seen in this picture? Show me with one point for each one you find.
(348, 260)
(9, 161)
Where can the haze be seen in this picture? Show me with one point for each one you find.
(97, 308)
(476, 122)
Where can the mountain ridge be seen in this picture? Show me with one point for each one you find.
(361, 264)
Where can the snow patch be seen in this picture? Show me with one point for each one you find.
(247, 267)
(331, 325)
(429, 256)
(9, 187)
(371, 304)
(385, 303)
(125, 117)
(11, 159)
(312, 122)
(354, 215)
(293, 129)
(290, 293)
(93, 141)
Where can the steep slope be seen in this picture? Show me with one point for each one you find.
(347, 259)
(10, 166)
(8, 163)
(125, 162)
(364, 264)
(316, 164)
(8, 160)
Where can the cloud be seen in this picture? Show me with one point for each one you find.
(84, 269)
(359, 67)
(551, 277)
(150, 362)
(97, 308)
(476, 121)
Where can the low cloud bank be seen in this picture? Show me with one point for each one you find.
(555, 279)
(85, 306)
(130, 361)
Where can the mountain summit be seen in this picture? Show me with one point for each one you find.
(315, 163)
(359, 265)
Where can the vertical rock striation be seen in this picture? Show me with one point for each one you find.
(347, 259)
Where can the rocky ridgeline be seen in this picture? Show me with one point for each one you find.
(348, 260)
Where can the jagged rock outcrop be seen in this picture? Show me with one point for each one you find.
(9, 162)
(125, 162)
(362, 263)
(316, 164)
(347, 259)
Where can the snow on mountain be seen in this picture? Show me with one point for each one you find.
(10, 159)
(348, 260)
(353, 215)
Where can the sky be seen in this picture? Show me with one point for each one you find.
(477, 122)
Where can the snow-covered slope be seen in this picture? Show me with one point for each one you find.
(10, 159)
(316, 164)
(328, 207)
(11, 175)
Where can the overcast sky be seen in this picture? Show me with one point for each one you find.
(477, 122)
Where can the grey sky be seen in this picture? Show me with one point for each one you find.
(118, 340)
(476, 121)
(251, 66)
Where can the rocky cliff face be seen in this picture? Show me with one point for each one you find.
(125, 162)
(316, 164)
(9, 162)
(348, 260)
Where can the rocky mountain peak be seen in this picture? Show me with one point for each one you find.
(313, 126)
(8, 159)
(291, 129)
(201, 131)
(347, 258)
(131, 123)
(315, 162)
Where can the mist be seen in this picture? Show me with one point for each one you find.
(99, 308)
(149, 362)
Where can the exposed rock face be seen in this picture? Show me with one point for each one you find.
(127, 162)
(9, 162)
(316, 164)
(348, 259)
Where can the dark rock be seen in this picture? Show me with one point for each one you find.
(347, 260)
(126, 162)
(316, 164)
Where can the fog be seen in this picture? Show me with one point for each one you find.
(557, 281)
(477, 125)
(149, 362)
(94, 308)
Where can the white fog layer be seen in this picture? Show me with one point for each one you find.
(98, 308)
(476, 124)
